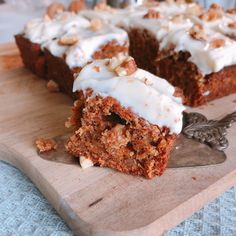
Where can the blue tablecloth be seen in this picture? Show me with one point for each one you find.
(24, 211)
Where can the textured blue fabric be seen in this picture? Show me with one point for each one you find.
(24, 211)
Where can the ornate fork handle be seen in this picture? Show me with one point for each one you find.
(210, 132)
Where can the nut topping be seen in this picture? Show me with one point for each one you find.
(198, 32)
(152, 14)
(215, 12)
(122, 65)
(102, 6)
(96, 68)
(54, 8)
(96, 24)
(178, 18)
(76, 6)
(232, 24)
(231, 11)
(217, 43)
(68, 40)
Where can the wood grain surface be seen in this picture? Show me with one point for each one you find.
(100, 201)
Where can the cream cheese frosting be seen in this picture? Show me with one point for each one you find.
(148, 96)
(207, 58)
(40, 30)
(89, 42)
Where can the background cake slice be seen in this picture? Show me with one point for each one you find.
(126, 118)
(200, 61)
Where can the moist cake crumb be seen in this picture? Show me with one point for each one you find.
(45, 145)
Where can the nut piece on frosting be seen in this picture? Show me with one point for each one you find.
(177, 18)
(152, 14)
(52, 86)
(76, 6)
(232, 24)
(68, 40)
(54, 8)
(122, 65)
(96, 24)
(102, 6)
(231, 11)
(215, 12)
(197, 32)
(85, 162)
(45, 145)
(217, 43)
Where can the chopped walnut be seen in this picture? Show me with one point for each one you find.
(232, 24)
(96, 24)
(45, 145)
(76, 6)
(68, 40)
(122, 65)
(217, 43)
(102, 6)
(178, 18)
(152, 14)
(52, 86)
(198, 32)
(195, 9)
(96, 68)
(215, 12)
(85, 162)
(54, 8)
(128, 67)
(231, 11)
(216, 6)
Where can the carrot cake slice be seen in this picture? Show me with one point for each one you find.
(38, 31)
(58, 46)
(200, 61)
(126, 118)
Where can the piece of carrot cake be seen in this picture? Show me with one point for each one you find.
(126, 118)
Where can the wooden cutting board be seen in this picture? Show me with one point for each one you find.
(99, 201)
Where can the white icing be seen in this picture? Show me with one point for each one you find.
(224, 28)
(41, 30)
(148, 96)
(207, 58)
(158, 27)
(90, 41)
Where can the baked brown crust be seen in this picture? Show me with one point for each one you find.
(32, 55)
(48, 66)
(143, 48)
(112, 136)
(198, 89)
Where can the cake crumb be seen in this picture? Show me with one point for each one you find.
(45, 145)
(52, 86)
